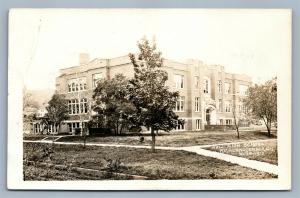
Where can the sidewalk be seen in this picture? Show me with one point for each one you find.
(257, 165)
(253, 164)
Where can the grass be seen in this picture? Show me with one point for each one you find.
(176, 139)
(53, 173)
(261, 151)
(33, 137)
(163, 164)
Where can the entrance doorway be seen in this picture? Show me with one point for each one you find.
(208, 112)
(210, 115)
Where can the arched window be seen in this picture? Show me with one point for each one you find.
(77, 84)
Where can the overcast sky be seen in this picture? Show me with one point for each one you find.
(252, 42)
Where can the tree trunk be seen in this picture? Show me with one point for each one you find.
(116, 129)
(269, 129)
(237, 129)
(153, 140)
(236, 122)
(121, 129)
(267, 123)
(84, 137)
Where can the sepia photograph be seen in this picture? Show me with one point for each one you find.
(149, 99)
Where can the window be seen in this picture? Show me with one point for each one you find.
(220, 105)
(219, 86)
(206, 86)
(221, 121)
(73, 87)
(178, 81)
(197, 104)
(198, 124)
(50, 129)
(227, 106)
(77, 84)
(76, 125)
(196, 82)
(83, 105)
(75, 107)
(242, 108)
(70, 106)
(228, 122)
(36, 128)
(243, 90)
(227, 88)
(180, 127)
(69, 88)
(72, 126)
(96, 78)
(82, 84)
(179, 104)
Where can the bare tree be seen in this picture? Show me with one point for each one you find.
(28, 100)
(236, 119)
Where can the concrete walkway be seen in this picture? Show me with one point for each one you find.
(46, 139)
(253, 164)
(257, 165)
(240, 142)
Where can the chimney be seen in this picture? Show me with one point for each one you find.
(84, 58)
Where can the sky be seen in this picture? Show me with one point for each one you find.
(252, 42)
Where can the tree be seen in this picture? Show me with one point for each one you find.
(114, 110)
(29, 108)
(153, 101)
(57, 111)
(28, 101)
(262, 102)
(236, 121)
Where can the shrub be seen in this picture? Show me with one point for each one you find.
(113, 165)
(142, 139)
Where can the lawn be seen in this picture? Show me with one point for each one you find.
(33, 137)
(176, 139)
(163, 164)
(265, 151)
(40, 173)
